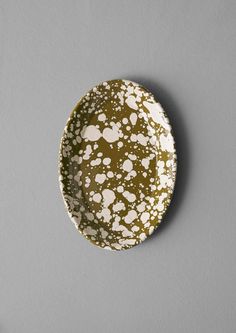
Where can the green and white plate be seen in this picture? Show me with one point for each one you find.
(117, 164)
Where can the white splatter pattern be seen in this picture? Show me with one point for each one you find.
(117, 164)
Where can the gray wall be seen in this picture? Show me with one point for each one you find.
(183, 278)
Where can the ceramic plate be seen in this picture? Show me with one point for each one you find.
(117, 164)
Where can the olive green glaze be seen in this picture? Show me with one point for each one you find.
(117, 164)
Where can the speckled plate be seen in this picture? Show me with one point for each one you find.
(117, 164)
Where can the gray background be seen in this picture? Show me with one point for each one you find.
(183, 278)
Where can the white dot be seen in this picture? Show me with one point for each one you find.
(120, 189)
(106, 161)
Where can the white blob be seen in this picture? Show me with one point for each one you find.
(97, 161)
(133, 118)
(104, 233)
(127, 165)
(145, 162)
(129, 196)
(132, 157)
(117, 218)
(100, 178)
(76, 219)
(131, 216)
(131, 102)
(120, 95)
(157, 114)
(143, 140)
(142, 236)
(167, 143)
(106, 161)
(116, 246)
(77, 177)
(127, 233)
(160, 167)
(119, 206)
(116, 226)
(165, 181)
(106, 214)
(79, 194)
(89, 231)
(97, 197)
(144, 217)
(102, 117)
(160, 206)
(91, 133)
(87, 179)
(108, 197)
(120, 189)
(132, 174)
(110, 174)
(127, 241)
(151, 229)
(87, 182)
(141, 207)
(89, 216)
(77, 159)
(133, 137)
(110, 134)
(135, 228)
(87, 152)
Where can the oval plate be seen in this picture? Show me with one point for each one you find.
(117, 164)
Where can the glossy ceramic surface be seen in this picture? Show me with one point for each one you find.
(117, 164)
